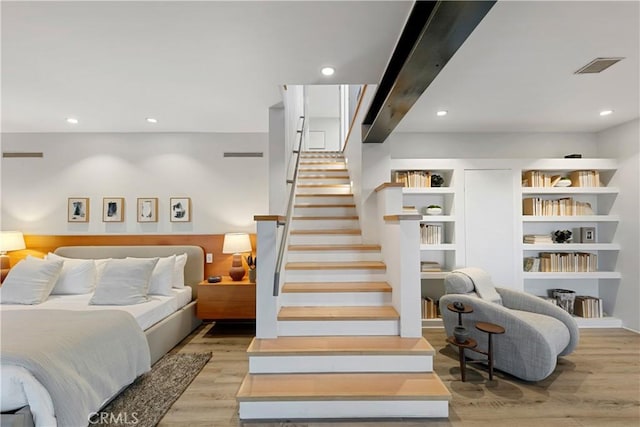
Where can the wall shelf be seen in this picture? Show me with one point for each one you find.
(562, 247)
(571, 218)
(570, 275)
(428, 190)
(437, 218)
(440, 247)
(570, 190)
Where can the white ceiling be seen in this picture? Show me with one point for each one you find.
(217, 66)
(515, 72)
(195, 66)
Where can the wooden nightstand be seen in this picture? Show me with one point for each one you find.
(226, 300)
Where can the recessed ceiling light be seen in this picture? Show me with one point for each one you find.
(328, 71)
(151, 120)
(72, 120)
(606, 112)
(441, 113)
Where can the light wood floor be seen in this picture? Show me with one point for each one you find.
(598, 385)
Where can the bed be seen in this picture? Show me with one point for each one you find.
(161, 323)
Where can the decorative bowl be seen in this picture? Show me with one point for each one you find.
(433, 211)
(564, 183)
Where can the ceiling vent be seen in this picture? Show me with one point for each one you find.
(598, 65)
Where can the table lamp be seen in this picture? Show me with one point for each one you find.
(234, 243)
(9, 241)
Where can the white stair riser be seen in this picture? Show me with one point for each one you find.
(319, 211)
(335, 275)
(296, 328)
(301, 409)
(325, 224)
(340, 363)
(322, 163)
(343, 189)
(313, 179)
(324, 239)
(336, 256)
(335, 298)
(334, 172)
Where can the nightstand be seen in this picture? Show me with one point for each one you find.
(226, 300)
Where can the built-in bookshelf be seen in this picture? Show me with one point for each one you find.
(583, 203)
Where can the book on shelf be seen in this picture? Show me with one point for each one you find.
(431, 234)
(537, 239)
(585, 178)
(413, 179)
(430, 267)
(409, 210)
(588, 307)
(565, 206)
(531, 264)
(535, 178)
(429, 308)
(568, 262)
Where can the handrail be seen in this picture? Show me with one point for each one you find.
(285, 232)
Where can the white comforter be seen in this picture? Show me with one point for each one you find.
(82, 358)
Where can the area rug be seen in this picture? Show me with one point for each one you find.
(144, 403)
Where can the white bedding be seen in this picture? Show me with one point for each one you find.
(146, 314)
(20, 388)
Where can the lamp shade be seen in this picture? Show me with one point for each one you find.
(235, 243)
(11, 241)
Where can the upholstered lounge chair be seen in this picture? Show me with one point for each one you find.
(537, 332)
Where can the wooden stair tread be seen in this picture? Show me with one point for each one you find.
(322, 170)
(324, 195)
(315, 287)
(323, 185)
(325, 205)
(336, 265)
(339, 345)
(320, 177)
(343, 386)
(333, 231)
(322, 162)
(325, 218)
(384, 312)
(347, 247)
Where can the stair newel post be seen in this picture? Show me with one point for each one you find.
(401, 251)
(266, 253)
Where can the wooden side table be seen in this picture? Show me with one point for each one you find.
(226, 300)
(490, 329)
(471, 344)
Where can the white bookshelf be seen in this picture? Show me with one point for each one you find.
(571, 275)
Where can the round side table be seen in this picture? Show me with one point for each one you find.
(490, 329)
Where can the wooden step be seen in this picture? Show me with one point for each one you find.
(320, 287)
(343, 386)
(324, 195)
(338, 313)
(324, 218)
(325, 205)
(350, 265)
(321, 162)
(336, 345)
(315, 170)
(353, 231)
(321, 177)
(359, 247)
(324, 185)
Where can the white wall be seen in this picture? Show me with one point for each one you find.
(623, 142)
(225, 192)
(331, 129)
(491, 145)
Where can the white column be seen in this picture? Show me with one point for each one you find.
(266, 254)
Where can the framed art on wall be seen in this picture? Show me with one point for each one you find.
(180, 209)
(148, 209)
(78, 209)
(113, 209)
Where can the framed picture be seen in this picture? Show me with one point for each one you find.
(78, 209)
(180, 209)
(587, 234)
(148, 209)
(113, 209)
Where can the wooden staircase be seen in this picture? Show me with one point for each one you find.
(338, 353)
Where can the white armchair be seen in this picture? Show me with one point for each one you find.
(537, 332)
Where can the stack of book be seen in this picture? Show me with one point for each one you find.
(585, 178)
(413, 179)
(430, 267)
(587, 306)
(429, 308)
(568, 262)
(560, 207)
(538, 179)
(538, 239)
(430, 234)
(409, 210)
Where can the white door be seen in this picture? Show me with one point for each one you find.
(489, 224)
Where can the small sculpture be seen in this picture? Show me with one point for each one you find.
(562, 236)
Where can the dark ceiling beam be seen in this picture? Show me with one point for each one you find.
(434, 31)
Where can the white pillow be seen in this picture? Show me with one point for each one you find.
(124, 282)
(178, 271)
(162, 275)
(78, 276)
(30, 281)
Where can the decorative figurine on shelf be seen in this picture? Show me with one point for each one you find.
(252, 262)
(436, 180)
(562, 236)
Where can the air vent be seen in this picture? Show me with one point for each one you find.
(13, 155)
(598, 65)
(243, 155)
